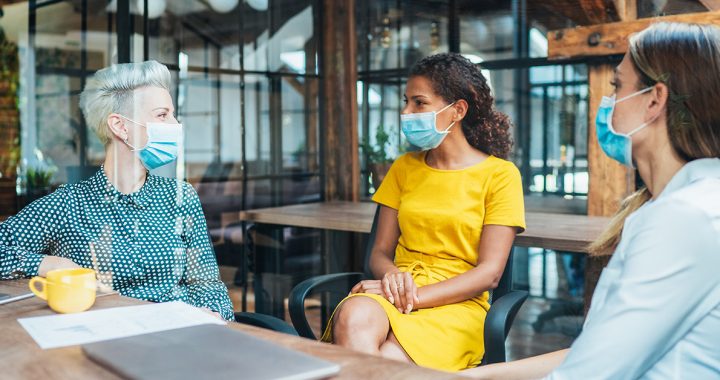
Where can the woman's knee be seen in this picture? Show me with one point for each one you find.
(360, 314)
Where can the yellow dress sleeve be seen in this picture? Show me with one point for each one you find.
(504, 204)
(391, 188)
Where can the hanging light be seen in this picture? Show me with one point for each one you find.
(223, 6)
(385, 36)
(258, 5)
(434, 36)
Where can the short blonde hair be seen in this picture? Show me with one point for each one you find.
(111, 90)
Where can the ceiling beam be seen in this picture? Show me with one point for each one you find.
(611, 38)
(585, 12)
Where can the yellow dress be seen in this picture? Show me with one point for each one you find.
(441, 214)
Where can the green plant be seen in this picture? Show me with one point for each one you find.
(377, 153)
(39, 178)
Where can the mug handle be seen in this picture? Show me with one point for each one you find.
(33, 288)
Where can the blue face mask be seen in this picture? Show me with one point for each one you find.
(162, 144)
(420, 130)
(617, 146)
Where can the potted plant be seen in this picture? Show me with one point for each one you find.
(377, 155)
(38, 181)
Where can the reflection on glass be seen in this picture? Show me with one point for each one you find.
(55, 139)
(558, 131)
(488, 35)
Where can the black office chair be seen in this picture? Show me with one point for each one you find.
(505, 302)
(265, 321)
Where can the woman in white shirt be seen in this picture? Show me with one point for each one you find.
(655, 313)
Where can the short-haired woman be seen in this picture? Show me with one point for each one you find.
(149, 232)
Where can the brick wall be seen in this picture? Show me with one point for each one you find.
(9, 125)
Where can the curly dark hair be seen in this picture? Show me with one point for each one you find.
(454, 77)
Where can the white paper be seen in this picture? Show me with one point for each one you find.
(119, 322)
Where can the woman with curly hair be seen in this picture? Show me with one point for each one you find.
(448, 218)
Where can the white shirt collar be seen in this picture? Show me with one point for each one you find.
(692, 171)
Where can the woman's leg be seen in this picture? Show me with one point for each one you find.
(392, 349)
(361, 324)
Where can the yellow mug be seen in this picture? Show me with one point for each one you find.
(66, 290)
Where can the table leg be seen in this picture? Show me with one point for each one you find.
(270, 286)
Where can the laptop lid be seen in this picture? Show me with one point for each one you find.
(205, 352)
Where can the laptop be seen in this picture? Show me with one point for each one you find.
(205, 352)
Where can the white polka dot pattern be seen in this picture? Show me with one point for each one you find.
(154, 242)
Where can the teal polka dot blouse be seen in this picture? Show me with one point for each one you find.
(154, 242)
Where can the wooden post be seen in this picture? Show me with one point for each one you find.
(610, 182)
(339, 101)
(339, 136)
(312, 91)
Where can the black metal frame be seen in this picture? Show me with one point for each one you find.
(124, 28)
(521, 64)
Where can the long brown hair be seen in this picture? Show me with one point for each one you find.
(686, 58)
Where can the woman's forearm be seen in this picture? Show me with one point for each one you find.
(457, 289)
(380, 264)
(534, 367)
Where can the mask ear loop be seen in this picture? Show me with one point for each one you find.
(132, 148)
(635, 94)
(447, 130)
(643, 125)
(444, 108)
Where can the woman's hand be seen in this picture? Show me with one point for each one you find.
(54, 262)
(368, 286)
(213, 313)
(400, 289)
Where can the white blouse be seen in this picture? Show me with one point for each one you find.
(655, 313)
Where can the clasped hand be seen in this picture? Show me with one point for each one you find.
(398, 288)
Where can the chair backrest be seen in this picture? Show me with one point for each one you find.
(504, 285)
(371, 243)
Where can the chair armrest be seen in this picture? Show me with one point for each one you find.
(265, 321)
(497, 325)
(339, 282)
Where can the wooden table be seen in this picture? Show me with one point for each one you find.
(560, 232)
(22, 358)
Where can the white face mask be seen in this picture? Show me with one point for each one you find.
(162, 144)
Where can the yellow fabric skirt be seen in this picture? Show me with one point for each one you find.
(448, 337)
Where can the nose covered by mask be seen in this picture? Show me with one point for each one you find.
(420, 129)
(162, 144)
(617, 146)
